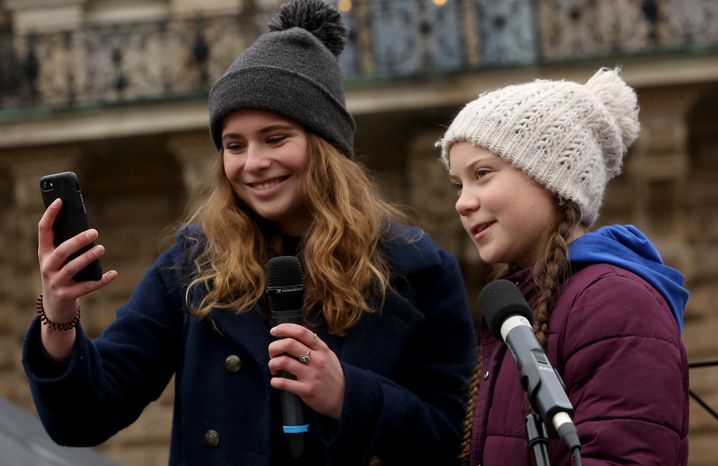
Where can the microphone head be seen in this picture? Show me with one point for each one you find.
(500, 299)
(285, 283)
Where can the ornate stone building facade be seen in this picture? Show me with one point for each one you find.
(116, 91)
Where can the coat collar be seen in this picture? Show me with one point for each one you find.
(380, 337)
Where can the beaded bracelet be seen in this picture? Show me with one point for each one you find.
(55, 325)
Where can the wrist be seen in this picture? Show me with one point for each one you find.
(54, 325)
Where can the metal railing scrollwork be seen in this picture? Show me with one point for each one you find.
(179, 57)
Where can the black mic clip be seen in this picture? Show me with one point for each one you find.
(537, 438)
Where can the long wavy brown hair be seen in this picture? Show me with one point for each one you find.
(344, 269)
(549, 274)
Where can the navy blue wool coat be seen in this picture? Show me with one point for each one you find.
(406, 369)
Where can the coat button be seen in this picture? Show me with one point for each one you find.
(233, 363)
(486, 375)
(211, 438)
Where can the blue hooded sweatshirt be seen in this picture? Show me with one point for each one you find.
(627, 247)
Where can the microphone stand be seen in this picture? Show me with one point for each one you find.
(694, 395)
(537, 439)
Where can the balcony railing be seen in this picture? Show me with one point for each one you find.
(179, 58)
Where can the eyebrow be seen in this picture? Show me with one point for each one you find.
(472, 163)
(481, 159)
(263, 130)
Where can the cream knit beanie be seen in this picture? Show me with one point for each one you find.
(571, 138)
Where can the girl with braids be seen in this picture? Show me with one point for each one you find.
(384, 358)
(530, 163)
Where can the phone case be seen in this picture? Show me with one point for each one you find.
(72, 218)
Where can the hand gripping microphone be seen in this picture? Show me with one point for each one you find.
(285, 289)
(509, 318)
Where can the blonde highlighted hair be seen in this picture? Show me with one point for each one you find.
(344, 269)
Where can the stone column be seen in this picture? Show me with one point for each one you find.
(658, 169)
(430, 192)
(431, 195)
(470, 29)
(364, 38)
(25, 168)
(19, 273)
(195, 153)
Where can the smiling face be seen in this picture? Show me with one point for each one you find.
(265, 156)
(507, 214)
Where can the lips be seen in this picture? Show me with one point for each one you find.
(264, 185)
(476, 229)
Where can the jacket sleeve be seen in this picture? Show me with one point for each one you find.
(413, 415)
(109, 381)
(627, 374)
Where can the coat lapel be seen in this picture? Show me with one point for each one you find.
(248, 330)
(381, 338)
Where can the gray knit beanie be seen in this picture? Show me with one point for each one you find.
(291, 71)
(569, 137)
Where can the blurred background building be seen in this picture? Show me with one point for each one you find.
(115, 90)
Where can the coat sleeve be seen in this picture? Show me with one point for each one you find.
(627, 374)
(414, 415)
(109, 381)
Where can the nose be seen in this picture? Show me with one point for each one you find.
(466, 203)
(256, 160)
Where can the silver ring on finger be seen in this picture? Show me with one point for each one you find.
(314, 341)
(305, 358)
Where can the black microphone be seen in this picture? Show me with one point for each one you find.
(509, 318)
(285, 288)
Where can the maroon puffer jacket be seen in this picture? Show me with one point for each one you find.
(617, 346)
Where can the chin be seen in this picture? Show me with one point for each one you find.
(491, 259)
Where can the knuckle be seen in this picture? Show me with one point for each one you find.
(45, 273)
(281, 361)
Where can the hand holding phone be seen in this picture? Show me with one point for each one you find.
(72, 218)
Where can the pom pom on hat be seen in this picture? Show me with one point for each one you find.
(570, 138)
(317, 17)
(622, 104)
(291, 71)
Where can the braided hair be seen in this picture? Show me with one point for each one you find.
(549, 274)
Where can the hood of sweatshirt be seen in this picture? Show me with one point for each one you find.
(627, 247)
